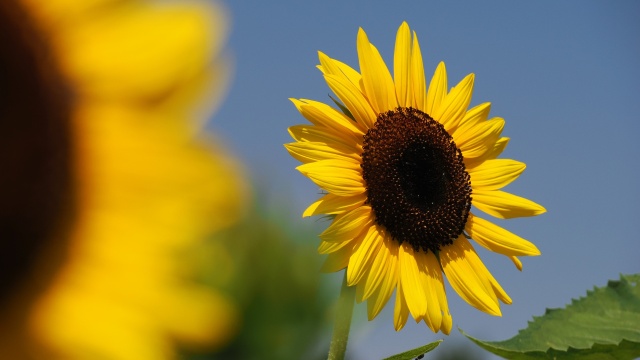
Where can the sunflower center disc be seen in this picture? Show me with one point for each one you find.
(417, 184)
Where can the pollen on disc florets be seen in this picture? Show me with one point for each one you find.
(417, 184)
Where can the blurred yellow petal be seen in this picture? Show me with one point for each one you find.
(104, 60)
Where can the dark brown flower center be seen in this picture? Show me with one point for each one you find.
(417, 184)
(36, 197)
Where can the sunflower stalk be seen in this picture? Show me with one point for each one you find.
(344, 312)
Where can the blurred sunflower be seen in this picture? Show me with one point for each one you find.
(108, 181)
(402, 163)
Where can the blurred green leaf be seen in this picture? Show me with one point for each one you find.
(415, 353)
(603, 325)
(273, 273)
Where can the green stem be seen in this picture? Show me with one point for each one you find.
(344, 312)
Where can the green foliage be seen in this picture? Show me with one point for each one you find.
(603, 325)
(416, 353)
(276, 282)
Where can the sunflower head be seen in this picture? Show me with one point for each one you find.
(416, 180)
(402, 163)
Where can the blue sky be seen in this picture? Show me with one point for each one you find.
(564, 75)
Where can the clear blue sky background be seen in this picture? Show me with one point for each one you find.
(564, 75)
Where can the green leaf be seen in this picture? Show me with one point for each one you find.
(603, 325)
(415, 353)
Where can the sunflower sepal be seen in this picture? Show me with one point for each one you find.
(343, 108)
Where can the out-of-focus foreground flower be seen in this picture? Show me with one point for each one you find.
(107, 181)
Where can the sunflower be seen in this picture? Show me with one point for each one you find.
(129, 182)
(401, 164)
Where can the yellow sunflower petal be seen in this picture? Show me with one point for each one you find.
(338, 259)
(329, 247)
(402, 66)
(177, 44)
(447, 320)
(431, 280)
(437, 89)
(401, 310)
(418, 81)
(487, 153)
(455, 104)
(324, 115)
(332, 204)
(375, 76)
(336, 67)
(482, 271)
(497, 239)
(480, 139)
(475, 116)
(338, 177)
(317, 134)
(307, 151)
(474, 288)
(497, 149)
(353, 99)
(495, 174)
(504, 205)
(381, 296)
(348, 225)
(516, 262)
(411, 282)
(362, 257)
(379, 267)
